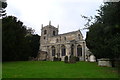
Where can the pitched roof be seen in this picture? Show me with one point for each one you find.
(73, 32)
(69, 33)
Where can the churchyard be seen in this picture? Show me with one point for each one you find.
(56, 69)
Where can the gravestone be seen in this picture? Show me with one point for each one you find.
(104, 62)
(92, 58)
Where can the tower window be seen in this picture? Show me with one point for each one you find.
(45, 31)
(78, 36)
(44, 37)
(53, 33)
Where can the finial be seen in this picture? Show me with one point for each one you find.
(58, 26)
(49, 22)
(41, 25)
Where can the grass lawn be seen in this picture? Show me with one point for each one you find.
(49, 69)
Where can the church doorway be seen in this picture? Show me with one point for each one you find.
(63, 50)
(79, 50)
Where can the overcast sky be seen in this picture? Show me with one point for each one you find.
(66, 13)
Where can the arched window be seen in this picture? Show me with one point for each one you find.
(45, 31)
(65, 38)
(63, 50)
(53, 33)
(53, 51)
(72, 49)
(60, 38)
(56, 40)
(79, 50)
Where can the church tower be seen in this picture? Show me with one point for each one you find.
(47, 32)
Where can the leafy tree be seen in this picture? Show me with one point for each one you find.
(34, 44)
(19, 43)
(13, 33)
(103, 37)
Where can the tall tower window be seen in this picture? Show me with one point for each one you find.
(44, 37)
(45, 31)
(53, 51)
(53, 33)
(78, 36)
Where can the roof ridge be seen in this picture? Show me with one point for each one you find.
(69, 32)
(66, 33)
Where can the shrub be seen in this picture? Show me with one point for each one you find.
(66, 59)
(77, 59)
(72, 59)
(59, 59)
(44, 60)
(56, 59)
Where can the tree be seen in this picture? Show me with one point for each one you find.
(19, 43)
(103, 37)
(34, 43)
(15, 46)
(3, 5)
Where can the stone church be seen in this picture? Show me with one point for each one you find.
(53, 44)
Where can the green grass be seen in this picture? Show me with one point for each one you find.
(49, 69)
